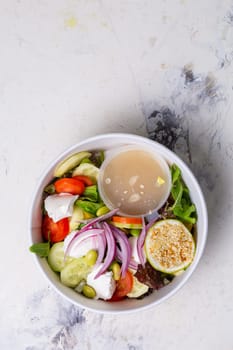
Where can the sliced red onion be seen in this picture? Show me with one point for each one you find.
(111, 249)
(152, 217)
(125, 249)
(119, 256)
(80, 236)
(100, 218)
(140, 243)
(133, 264)
(153, 221)
(101, 248)
(98, 225)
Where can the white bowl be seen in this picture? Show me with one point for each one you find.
(105, 142)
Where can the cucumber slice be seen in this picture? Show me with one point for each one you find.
(128, 226)
(70, 163)
(56, 257)
(169, 246)
(77, 215)
(138, 289)
(74, 272)
(87, 169)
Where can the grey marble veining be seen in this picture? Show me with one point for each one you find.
(73, 69)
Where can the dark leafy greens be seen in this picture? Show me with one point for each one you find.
(149, 276)
(97, 158)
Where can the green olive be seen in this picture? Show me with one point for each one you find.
(135, 232)
(116, 270)
(102, 211)
(88, 291)
(91, 257)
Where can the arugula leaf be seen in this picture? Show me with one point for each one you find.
(185, 215)
(177, 192)
(182, 207)
(175, 172)
(41, 249)
(91, 193)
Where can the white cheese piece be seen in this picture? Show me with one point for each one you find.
(79, 249)
(133, 243)
(60, 206)
(104, 285)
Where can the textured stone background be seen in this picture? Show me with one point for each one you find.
(72, 69)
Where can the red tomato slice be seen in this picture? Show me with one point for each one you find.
(123, 287)
(85, 179)
(69, 185)
(55, 231)
(126, 220)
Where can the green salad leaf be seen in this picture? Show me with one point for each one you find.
(89, 207)
(182, 207)
(91, 193)
(41, 249)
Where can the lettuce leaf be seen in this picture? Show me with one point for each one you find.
(89, 207)
(91, 193)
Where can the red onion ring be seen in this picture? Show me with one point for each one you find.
(111, 249)
(101, 248)
(80, 236)
(125, 248)
(140, 243)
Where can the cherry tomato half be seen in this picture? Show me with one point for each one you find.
(55, 231)
(123, 287)
(85, 179)
(69, 185)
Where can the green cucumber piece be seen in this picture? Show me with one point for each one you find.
(74, 272)
(87, 169)
(138, 289)
(56, 257)
(129, 226)
(70, 163)
(76, 217)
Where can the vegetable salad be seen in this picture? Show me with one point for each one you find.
(102, 254)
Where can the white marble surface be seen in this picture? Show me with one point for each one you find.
(70, 69)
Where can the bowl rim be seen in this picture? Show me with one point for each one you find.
(130, 137)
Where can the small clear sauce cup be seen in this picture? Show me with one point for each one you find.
(111, 154)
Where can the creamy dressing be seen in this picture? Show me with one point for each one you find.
(135, 181)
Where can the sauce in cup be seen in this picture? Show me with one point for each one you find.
(135, 180)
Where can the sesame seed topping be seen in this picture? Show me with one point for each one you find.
(171, 246)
